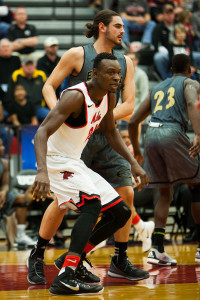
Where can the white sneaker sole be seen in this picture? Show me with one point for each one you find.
(154, 261)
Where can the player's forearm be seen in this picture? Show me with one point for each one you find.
(124, 110)
(133, 130)
(49, 95)
(40, 146)
(194, 116)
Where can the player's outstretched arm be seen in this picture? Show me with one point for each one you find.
(143, 111)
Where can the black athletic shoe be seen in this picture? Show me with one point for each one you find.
(81, 272)
(66, 284)
(60, 261)
(35, 270)
(84, 275)
(126, 270)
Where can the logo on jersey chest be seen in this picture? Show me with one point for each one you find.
(96, 117)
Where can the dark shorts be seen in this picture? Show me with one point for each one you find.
(166, 157)
(100, 157)
(10, 199)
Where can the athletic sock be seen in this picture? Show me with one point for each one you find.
(121, 251)
(158, 239)
(70, 261)
(88, 248)
(20, 229)
(40, 248)
(136, 219)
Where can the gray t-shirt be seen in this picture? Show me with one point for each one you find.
(134, 8)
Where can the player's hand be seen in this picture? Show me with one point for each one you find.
(41, 186)
(140, 176)
(195, 149)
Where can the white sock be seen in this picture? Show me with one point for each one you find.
(20, 229)
(139, 226)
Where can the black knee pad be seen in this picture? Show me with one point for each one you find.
(92, 206)
(121, 212)
(195, 191)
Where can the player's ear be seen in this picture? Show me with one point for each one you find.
(102, 27)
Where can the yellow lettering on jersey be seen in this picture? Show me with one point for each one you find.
(170, 98)
(89, 75)
(159, 95)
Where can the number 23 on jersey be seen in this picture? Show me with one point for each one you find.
(159, 95)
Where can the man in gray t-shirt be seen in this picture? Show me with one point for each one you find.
(136, 17)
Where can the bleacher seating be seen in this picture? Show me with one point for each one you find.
(63, 18)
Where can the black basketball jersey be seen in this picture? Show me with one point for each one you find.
(168, 103)
(86, 71)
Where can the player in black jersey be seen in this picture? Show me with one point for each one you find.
(169, 157)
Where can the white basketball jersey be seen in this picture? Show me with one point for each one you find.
(69, 140)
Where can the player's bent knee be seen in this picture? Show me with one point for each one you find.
(122, 213)
(92, 206)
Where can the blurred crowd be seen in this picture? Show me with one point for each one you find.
(163, 29)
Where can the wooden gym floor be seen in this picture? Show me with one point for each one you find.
(166, 283)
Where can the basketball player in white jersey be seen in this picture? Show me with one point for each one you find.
(59, 143)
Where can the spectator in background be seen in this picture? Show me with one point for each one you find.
(181, 45)
(185, 18)
(140, 78)
(196, 26)
(4, 134)
(48, 62)
(12, 198)
(136, 17)
(162, 35)
(96, 4)
(22, 35)
(123, 130)
(8, 64)
(6, 18)
(156, 9)
(32, 80)
(141, 81)
(22, 111)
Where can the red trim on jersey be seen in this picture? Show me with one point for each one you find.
(111, 204)
(86, 111)
(86, 197)
(107, 102)
(89, 96)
